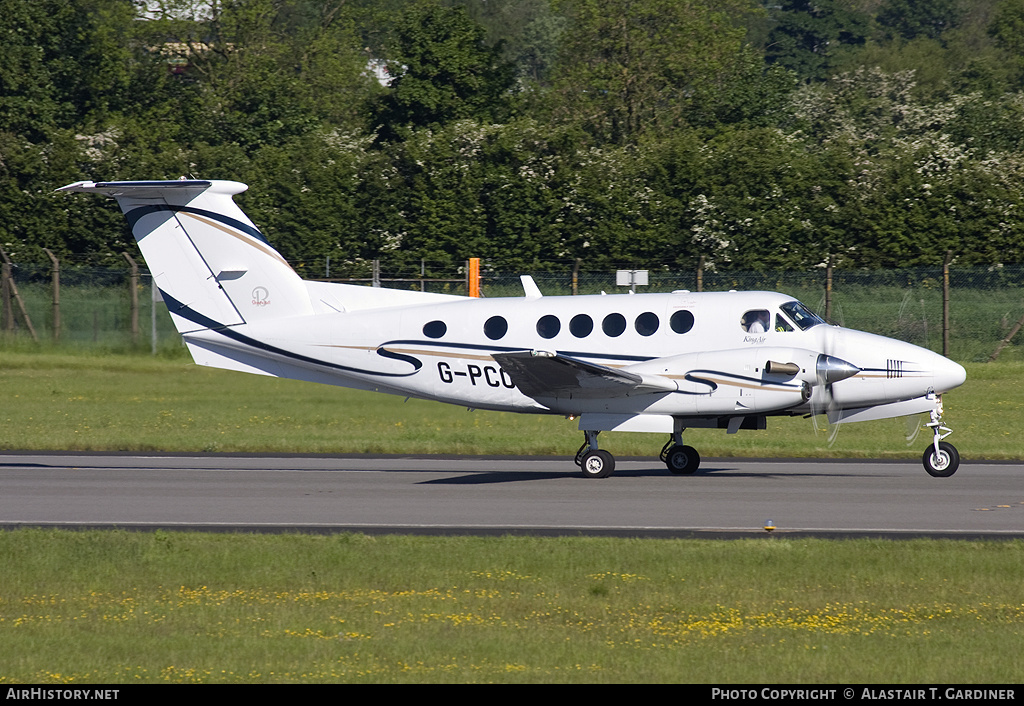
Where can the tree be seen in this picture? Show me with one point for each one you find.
(1007, 30)
(537, 47)
(70, 73)
(810, 35)
(526, 30)
(266, 71)
(444, 71)
(629, 67)
(61, 62)
(911, 19)
(910, 179)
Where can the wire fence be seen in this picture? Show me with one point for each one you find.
(102, 307)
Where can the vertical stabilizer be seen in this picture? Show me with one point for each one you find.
(212, 265)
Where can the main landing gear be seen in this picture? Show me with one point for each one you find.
(597, 463)
(681, 460)
(594, 462)
(941, 459)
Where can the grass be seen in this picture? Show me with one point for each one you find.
(118, 607)
(88, 401)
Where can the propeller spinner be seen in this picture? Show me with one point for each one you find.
(831, 369)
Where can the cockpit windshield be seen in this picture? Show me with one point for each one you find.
(801, 315)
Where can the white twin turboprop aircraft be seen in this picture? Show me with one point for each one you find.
(647, 362)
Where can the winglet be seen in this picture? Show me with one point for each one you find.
(532, 291)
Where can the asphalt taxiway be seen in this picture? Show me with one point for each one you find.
(485, 495)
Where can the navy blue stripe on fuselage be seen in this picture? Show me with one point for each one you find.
(177, 184)
(186, 312)
(512, 349)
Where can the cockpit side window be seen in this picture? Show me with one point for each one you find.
(801, 315)
(781, 324)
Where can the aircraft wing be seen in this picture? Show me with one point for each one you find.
(539, 374)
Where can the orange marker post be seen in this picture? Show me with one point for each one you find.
(474, 276)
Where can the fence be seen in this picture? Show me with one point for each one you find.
(105, 307)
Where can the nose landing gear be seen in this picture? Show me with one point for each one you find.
(941, 459)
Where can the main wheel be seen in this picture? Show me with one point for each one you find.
(598, 464)
(682, 460)
(943, 464)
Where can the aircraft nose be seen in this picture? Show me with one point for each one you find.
(948, 374)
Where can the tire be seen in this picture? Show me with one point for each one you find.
(682, 460)
(945, 463)
(598, 464)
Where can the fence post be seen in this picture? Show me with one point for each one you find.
(154, 300)
(55, 279)
(828, 290)
(1006, 341)
(10, 291)
(945, 302)
(7, 313)
(700, 274)
(576, 276)
(133, 284)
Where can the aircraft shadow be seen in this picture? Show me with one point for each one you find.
(489, 477)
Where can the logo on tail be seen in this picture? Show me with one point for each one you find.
(260, 296)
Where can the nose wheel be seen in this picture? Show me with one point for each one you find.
(941, 459)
